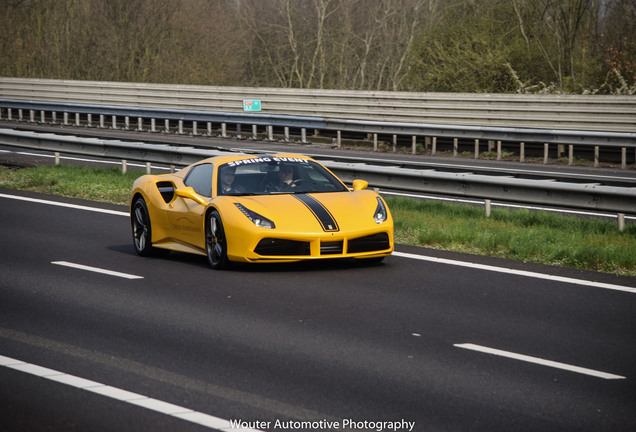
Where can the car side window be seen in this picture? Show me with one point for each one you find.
(200, 179)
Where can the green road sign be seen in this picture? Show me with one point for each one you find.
(251, 105)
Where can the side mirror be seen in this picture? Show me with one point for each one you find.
(188, 192)
(359, 185)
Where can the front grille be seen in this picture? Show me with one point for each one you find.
(374, 242)
(274, 247)
(331, 248)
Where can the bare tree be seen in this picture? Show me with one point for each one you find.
(450, 45)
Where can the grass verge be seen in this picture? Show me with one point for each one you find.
(533, 236)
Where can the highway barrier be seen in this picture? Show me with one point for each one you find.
(595, 122)
(620, 200)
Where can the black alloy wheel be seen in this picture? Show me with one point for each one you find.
(216, 242)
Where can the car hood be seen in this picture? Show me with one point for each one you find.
(319, 212)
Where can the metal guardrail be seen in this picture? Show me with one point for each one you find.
(580, 196)
(623, 140)
(552, 112)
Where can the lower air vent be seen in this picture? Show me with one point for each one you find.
(375, 242)
(331, 248)
(276, 247)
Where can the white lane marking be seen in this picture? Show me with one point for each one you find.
(400, 254)
(535, 275)
(539, 361)
(96, 270)
(61, 204)
(166, 408)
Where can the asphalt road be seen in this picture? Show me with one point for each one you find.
(426, 341)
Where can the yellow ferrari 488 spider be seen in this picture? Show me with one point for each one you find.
(259, 208)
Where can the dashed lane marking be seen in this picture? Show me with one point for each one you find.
(539, 361)
(212, 422)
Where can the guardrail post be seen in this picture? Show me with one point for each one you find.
(57, 158)
(596, 157)
(152, 125)
(140, 124)
(124, 166)
(522, 152)
(180, 132)
(20, 115)
(32, 116)
(101, 121)
(413, 144)
(89, 121)
(65, 118)
(113, 122)
(78, 121)
(476, 149)
(194, 128)
(498, 150)
(238, 131)
(487, 207)
(166, 126)
(621, 222)
(270, 133)
(127, 123)
(623, 157)
(434, 147)
(570, 154)
(209, 128)
(42, 116)
(394, 143)
(375, 142)
(223, 130)
(546, 148)
(9, 114)
(455, 146)
(148, 168)
(288, 139)
(303, 136)
(54, 117)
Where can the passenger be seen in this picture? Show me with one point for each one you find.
(227, 182)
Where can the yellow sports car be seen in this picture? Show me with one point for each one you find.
(259, 208)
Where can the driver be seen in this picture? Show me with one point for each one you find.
(285, 178)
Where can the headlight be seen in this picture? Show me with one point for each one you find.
(257, 219)
(380, 214)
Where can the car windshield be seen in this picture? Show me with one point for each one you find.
(275, 175)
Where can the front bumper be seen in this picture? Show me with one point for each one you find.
(323, 246)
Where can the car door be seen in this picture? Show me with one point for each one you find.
(185, 215)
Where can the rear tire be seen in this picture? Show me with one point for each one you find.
(216, 242)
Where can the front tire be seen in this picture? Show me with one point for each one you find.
(216, 242)
(141, 227)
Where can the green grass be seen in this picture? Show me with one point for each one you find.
(533, 236)
(107, 185)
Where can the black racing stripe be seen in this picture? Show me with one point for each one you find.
(320, 211)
